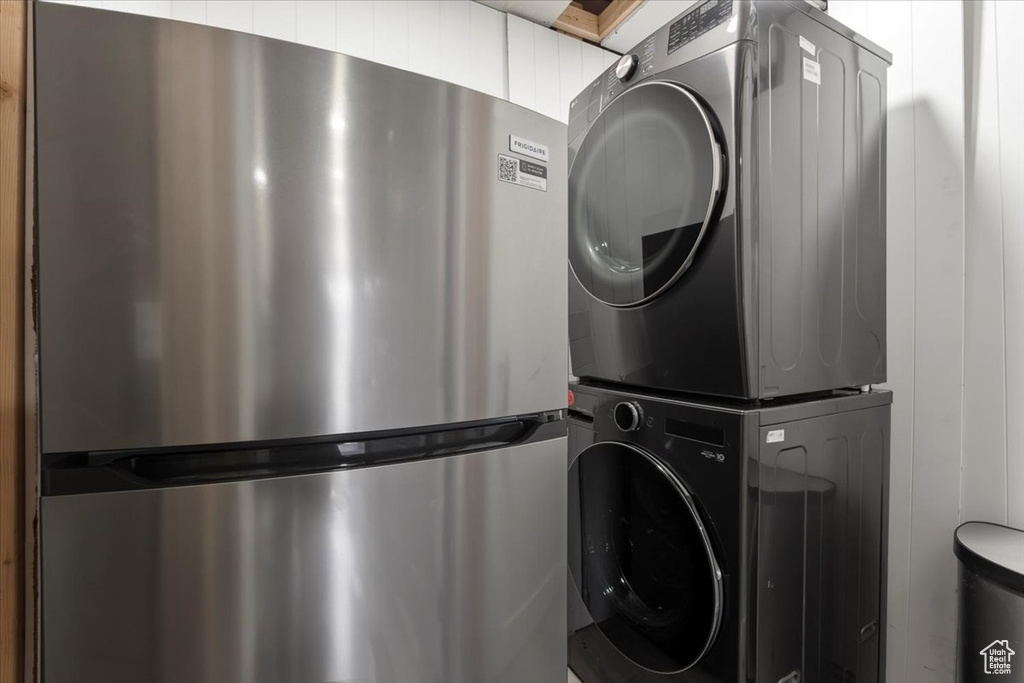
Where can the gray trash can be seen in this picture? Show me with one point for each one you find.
(990, 628)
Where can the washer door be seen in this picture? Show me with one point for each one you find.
(647, 572)
(642, 189)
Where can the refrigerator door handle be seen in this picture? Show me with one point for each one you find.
(113, 471)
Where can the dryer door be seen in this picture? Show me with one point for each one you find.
(647, 571)
(642, 191)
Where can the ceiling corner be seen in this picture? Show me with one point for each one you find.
(543, 12)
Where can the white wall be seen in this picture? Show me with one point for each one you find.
(546, 70)
(956, 299)
(992, 486)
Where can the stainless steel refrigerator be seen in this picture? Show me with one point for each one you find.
(302, 365)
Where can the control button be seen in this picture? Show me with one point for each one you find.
(650, 421)
(626, 67)
(628, 416)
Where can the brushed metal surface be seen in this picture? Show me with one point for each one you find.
(247, 239)
(435, 571)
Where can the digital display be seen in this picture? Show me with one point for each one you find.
(697, 22)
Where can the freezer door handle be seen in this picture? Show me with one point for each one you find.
(113, 471)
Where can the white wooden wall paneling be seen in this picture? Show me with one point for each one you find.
(546, 70)
(316, 23)
(455, 22)
(275, 19)
(854, 13)
(355, 28)
(937, 57)
(546, 73)
(425, 42)
(570, 73)
(391, 33)
(153, 8)
(984, 334)
(522, 63)
(1009, 65)
(891, 24)
(231, 14)
(190, 10)
(488, 49)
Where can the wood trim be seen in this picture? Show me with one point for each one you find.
(13, 27)
(613, 15)
(578, 22)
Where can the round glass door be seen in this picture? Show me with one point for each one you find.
(646, 571)
(642, 189)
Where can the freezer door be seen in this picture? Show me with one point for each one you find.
(246, 239)
(438, 571)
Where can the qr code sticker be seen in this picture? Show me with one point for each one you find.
(508, 169)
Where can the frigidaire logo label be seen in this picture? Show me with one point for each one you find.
(997, 657)
(527, 148)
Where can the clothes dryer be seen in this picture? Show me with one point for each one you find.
(727, 207)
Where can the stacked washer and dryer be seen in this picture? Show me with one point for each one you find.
(728, 460)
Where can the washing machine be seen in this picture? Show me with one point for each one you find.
(727, 207)
(722, 543)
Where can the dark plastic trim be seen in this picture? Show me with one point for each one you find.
(979, 564)
(102, 472)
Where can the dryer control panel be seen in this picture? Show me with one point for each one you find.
(698, 21)
(614, 85)
(701, 30)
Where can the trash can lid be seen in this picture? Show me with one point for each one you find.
(994, 550)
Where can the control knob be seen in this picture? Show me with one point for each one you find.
(628, 416)
(626, 67)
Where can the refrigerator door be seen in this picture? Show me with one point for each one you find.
(442, 570)
(246, 239)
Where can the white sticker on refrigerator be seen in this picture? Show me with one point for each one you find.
(812, 71)
(807, 46)
(776, 436)
(522, 172)
(528, 148)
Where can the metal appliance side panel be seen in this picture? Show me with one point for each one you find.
(821, 223)
(442, 570)
(247, 239)
(821, 537)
